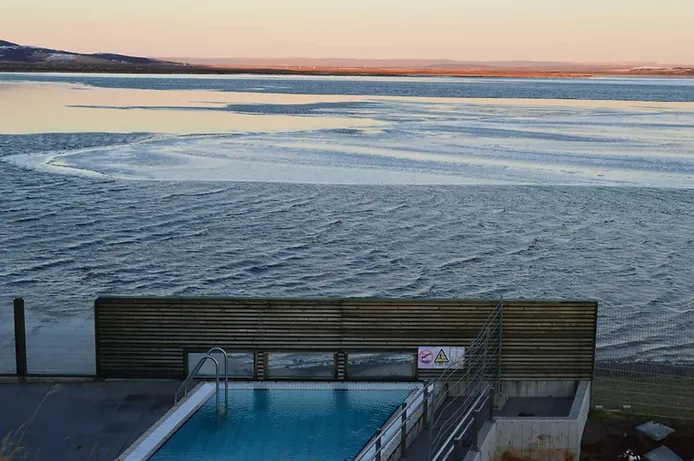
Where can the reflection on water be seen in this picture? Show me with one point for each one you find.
(61, 108)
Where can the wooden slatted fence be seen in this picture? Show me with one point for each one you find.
(150, 337)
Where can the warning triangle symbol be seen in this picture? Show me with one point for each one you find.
(441, 358)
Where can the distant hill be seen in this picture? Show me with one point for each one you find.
(14, 53)
(408, 63)
(434, 67)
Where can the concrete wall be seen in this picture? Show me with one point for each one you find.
(580, 410)
(487, 444)
(537, 439)
(539, 388)
(545, 438)
(515, 388)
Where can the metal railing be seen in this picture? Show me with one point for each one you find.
(470, 380)
(454, 443)
(182, 390)
(375, 449)
(379, 447)
(475, 376)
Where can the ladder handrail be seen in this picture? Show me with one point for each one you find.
(226, 373)
(198, 367)
(192, 374)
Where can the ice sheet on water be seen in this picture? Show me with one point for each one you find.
(424, 142)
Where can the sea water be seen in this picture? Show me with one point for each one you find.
(307, 186)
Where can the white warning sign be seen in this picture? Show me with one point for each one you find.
(429, 357)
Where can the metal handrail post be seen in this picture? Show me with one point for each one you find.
(378, 444)
(403, 429)
(432, 422)
(475, 430)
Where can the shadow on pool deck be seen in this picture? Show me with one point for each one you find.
(81, 421)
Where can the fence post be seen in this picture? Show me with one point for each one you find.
(378, 445)
(403, 429)
(476, 431)
(458, 448)
(20, 338)
(425, 408)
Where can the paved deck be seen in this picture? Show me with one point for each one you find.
(80, 421)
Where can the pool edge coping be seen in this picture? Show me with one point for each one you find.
(153, 438)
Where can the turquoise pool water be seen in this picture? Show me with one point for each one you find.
(278, 424)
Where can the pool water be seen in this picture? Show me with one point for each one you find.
(281, 424)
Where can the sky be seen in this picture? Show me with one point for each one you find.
(476, 30)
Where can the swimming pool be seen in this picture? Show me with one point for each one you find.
(293, 424)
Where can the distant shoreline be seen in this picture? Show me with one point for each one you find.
(341, 71)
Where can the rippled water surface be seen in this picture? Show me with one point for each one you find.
(351, 187)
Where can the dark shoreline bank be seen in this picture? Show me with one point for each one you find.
(330, 71)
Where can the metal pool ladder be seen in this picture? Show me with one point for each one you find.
(182, 390)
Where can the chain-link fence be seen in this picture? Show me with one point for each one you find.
(645, 368)
(645, 388)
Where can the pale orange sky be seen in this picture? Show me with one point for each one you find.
(479, 30)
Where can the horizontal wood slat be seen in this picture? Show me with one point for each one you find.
(149, 337)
